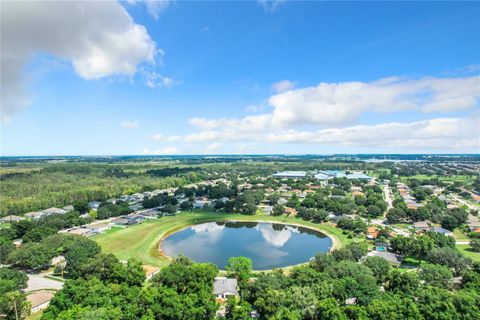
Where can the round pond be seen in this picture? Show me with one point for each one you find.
(268, 245)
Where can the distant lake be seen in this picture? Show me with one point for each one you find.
(268, 245)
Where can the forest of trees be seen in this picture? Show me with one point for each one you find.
(337, 285)
(40, 186)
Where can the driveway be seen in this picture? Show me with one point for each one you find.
(37, 282)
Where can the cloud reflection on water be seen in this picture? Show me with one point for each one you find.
(274, 237)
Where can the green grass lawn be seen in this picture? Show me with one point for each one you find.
(141, 241)
(459, 178)
(465, 249)
(459, 235)
(35, 316)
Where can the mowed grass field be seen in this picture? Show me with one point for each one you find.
(141, 241)
(454, 178)
(465, 249)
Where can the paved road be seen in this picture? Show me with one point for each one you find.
(37, 281)
(387, 194)
(463, 202)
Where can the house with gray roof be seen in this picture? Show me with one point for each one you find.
(94, 204)
(68, 208)
(33, 215)
(393, 258)
(53, 210)
(224, 287)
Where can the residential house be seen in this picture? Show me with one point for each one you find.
(224, 287)
(422, 225)
(201, 202)
(223, 199)
(81, 231)
(150, 271)
(94, 205)
(452, 206)
(393, 258)
(137, 197)
(290, 211)
(100, 227)
(442, 231)
(267, 209)
(372, 233)
(149, 214)
(68, 208)
(268, 190)
(53, 210)
(135, 206)
(473, 222)
(120, 221)
(411, 204)
(147, 194)
(11, 218)
(357, 193)
(134, 219)
(39, 300)
(33, 215)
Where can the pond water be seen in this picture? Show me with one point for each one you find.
(268, 245)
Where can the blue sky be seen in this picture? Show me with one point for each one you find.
(240, 77)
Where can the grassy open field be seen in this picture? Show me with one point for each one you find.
(465, 249)
(141, 241)
(455, 178)
(35, 316)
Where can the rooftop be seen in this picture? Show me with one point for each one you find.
(11, 218)
(149, 270)
(225, 285)
(292, 174)
(39, 297)
(389, 256)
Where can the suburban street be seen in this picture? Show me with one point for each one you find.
(387, 194)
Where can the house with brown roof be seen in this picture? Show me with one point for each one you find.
(150, 271)
(372, 233)
(422, 225)
(39, 300)
(11, 218)
(290, 211)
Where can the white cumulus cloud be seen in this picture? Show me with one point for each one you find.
(334, 104)
(283, 85)
(99, 38)
(439, 133)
